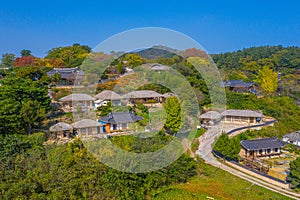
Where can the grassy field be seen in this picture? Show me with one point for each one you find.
(213, 183)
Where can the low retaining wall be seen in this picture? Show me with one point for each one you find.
(252, 172)
(268, 123)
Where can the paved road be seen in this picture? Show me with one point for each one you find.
(205, 151)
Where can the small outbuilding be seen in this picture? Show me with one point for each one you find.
(292, 138)
(61, 129)
(210, 118)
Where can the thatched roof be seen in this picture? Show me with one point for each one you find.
(211, 115)
(242, 113)
(108, 95)
(86, 123)
(61, 126)
(142, 94)
(77, 97)
(169, 94)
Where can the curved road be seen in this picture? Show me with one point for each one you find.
(205, 151)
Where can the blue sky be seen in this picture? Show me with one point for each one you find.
(219, 26)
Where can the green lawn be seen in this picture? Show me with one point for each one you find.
(217, 184)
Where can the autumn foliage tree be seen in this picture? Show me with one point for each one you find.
(268, 80)
(24, 61)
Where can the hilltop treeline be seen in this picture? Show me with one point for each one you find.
(278, 57)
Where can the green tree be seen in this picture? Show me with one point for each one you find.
(228, 147)
(32, 114)
(55, 78)
(16, 96)
(8, 60)
(30, 72)
(26, 52)
(268, 80)
(104, 110)
(72, 56)
(132, 60)
(173, 115)
(295, 172)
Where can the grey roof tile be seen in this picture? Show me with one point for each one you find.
(264, 143)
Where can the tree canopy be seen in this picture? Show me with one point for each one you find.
(72, 56)
(295, 172)
(173, 115)
(8, 60)
(23, 104)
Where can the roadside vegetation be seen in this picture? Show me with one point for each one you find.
(32, 170)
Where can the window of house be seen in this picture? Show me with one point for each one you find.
(276, 149)
(89, 130)
(260, 151)
(83, 130)
(269, 151)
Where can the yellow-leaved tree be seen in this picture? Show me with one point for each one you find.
(268, 80)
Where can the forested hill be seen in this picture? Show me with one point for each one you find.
(279, 57)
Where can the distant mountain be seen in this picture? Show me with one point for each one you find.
(154, 53)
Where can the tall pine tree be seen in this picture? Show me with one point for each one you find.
(173, 113)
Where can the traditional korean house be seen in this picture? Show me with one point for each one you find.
(292, 138)
(71, 102)
(118, 121)
(86, 127)
(261, 147)
(210, 118)
(105, 96)
(69, 76)
(242, 116)
(240, 86)
(144, 96)
(61, 130)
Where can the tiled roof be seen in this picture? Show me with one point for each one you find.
(66, 72)
(242, 113)
(142, 94)
(293, 137)
(108, 95)
(211, 115)
(237, 83)
(121, 117)
(265, 143)
(77, 97)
